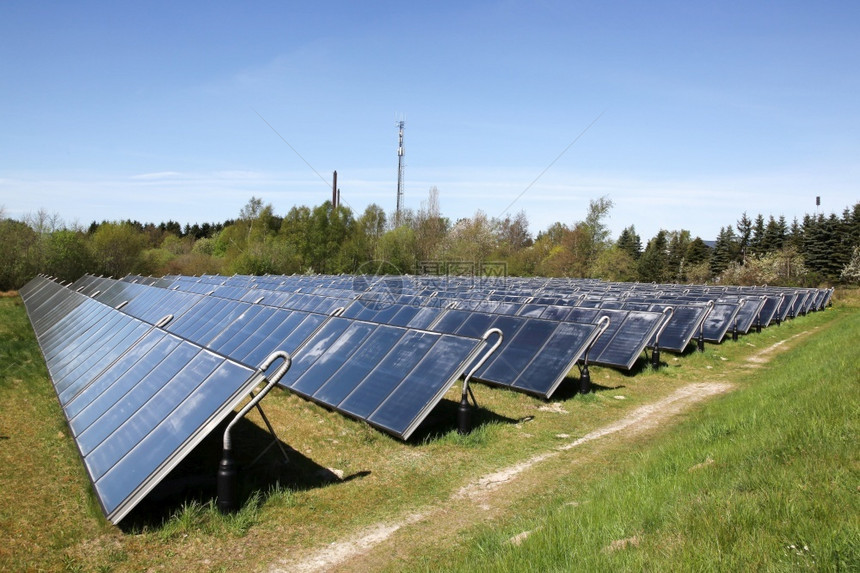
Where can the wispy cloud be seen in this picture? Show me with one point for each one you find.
(160, 175)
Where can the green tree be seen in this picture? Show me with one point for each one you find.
(851, 271)
(630, 242)
(18, 254)
(397, 248)
(116, 249)
(654, 262)
(774, 236)
(597, 229)
(725, 250)
(676, 257)
(471, 240)
(744, 227)
(430, 227)
(757, 235)
(67, 254)
(615, 264)
(698, 252)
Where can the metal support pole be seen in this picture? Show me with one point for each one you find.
(227, 471)
(584, 379)
(655, 357)
(464, 410)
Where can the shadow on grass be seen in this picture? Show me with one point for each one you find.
(443, 419)
(195, 478)
(570, 387)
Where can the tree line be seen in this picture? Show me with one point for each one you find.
(820, 249)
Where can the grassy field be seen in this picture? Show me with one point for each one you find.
(765, 477)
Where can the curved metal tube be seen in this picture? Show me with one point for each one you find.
(704, 318)
(602, 325)
(483, 358)
(279, 373)
(671, 310)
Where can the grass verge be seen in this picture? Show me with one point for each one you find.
(766, 478)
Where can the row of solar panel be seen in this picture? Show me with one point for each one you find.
(124, 384)
(535, 356)
(134, 361)
(684, 321)
(620, 346)
(557, 291)
(137, 398)
(779, 303)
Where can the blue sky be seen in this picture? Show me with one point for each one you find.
(152, 110)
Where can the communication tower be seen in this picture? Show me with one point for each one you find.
(400, 168)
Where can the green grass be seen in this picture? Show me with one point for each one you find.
(783, 473)
(765, 478)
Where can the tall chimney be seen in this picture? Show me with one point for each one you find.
(334, 196)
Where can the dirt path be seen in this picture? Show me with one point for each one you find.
(763, 356)
(376, 545)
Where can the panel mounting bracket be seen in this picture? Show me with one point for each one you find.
(464, 411)
(227, 471)
(584, 374)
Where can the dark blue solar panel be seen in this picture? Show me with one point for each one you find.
(197, 407)
(75, 402)
(418, 391)
(529, 357)
(747, 313)
(293, 330)
(636, 328)
(334, 356)
(340, 384)
(682, 327)
(566, 345)
(131, 392)
(523, 340)
(768, 310)
(248, 323)
(388, 373)
(719, 320)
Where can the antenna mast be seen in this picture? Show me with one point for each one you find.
(400, 167)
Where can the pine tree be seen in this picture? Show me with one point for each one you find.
(724, 250)
(697, 251)
(744, 231)
(795, 236)
(772, 239)
(629, 242)
(653, 263)
(814, 248)
(676, 260)
(757, 235)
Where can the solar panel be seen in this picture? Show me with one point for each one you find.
(719, 320)
(388, 376)
(535, 355)
(747, 313)
(626, 337)
(768, 309)
(137, 399)
(682, 326)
